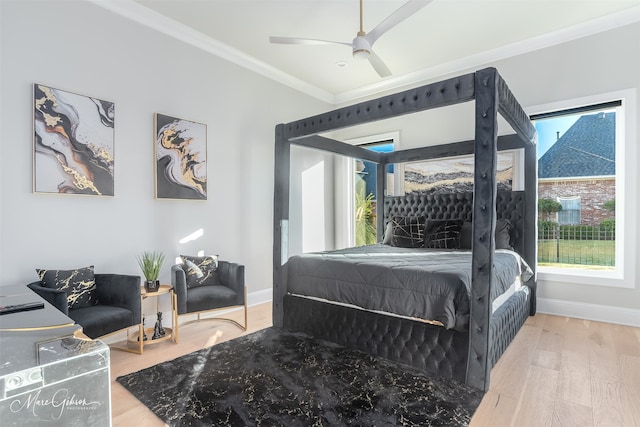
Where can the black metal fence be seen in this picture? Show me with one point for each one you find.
(576, 245)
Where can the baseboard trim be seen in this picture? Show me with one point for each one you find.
(596, 312)
(260, 297)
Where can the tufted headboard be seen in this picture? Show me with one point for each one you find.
(509, 205)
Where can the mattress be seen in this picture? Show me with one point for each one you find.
(431, 285)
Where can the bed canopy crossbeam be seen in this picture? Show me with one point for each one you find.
(452, 91)
(331, 145)
(492, 96)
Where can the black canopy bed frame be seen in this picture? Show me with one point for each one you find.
(466, 355)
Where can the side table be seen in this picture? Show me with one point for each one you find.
(135, 339)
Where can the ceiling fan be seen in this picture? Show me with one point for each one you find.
(363, 42)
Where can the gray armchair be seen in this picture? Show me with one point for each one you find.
(119, 304)
(226, 291)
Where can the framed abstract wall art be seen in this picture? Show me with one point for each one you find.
(452, 175)
(181, 158)
(73, 146)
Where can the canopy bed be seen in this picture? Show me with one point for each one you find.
(452, 315)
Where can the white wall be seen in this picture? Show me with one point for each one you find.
(80, 47)
(602, 63)
(311, 201)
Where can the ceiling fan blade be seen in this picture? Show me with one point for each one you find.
(405, 11)
(378, 65)
(293, 40)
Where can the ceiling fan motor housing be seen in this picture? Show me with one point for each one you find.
(361, 46)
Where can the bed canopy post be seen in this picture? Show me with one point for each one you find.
(280, 222)
(381, 190)
(530, 219)
(484, 226)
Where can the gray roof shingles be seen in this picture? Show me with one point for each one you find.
(588, 148)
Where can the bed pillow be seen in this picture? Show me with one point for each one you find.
(388, 234)
(78, 284)
(466, 235)
(442, 234)
(503, 235)
(407, 231)
(200, 271)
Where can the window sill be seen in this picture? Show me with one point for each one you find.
(612, 279)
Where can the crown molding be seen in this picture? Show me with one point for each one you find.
(154, 20)
(606, 23)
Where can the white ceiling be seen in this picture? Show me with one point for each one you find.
(444, 37)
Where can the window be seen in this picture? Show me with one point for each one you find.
(366, 194)
(570, 212)
(356, 192)
(582, 159)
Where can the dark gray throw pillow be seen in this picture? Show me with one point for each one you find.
(200, 271)
(503, 235)
(466, 235)
(442, 234)
(408, 231)
(78, 284)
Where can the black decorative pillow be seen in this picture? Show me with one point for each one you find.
(200, 271)
(503, 235)
(407, 231)
(466, 235)
(79, 285)
(442, 234)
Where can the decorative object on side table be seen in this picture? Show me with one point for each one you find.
(150, 264)
(144, 333)
(160, 327)
(158, 330)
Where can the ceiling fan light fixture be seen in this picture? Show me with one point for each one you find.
(361, 47)
(361, 53)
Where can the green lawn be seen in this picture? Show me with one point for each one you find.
(596, 253)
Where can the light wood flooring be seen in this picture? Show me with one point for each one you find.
(558, 371)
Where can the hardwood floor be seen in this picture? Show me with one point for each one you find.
(558, 371)
(561, 371)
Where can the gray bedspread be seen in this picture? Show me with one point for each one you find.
(420, 283)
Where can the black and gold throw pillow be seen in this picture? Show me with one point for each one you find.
(200, 270)
(79, 285)
(408, 231)
(442, 234)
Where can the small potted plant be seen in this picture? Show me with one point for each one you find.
(150, 264)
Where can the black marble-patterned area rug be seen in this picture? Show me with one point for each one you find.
(278, 378)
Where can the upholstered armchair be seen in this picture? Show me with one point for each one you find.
(204, 284)
(114, 306)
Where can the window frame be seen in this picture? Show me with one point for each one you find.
(623, 276)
